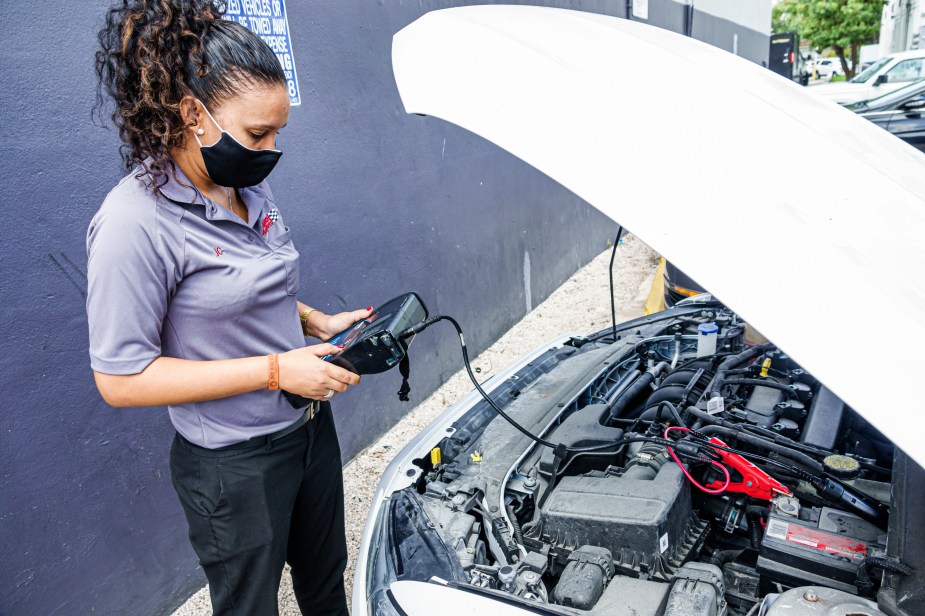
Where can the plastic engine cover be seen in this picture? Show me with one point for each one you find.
(698, 590)
(582, 582)
(646, 522)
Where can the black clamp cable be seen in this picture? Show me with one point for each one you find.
(828, 488)
(560, 448)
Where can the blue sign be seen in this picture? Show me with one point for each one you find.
(267, 19)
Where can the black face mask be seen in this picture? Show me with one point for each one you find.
(231, 164)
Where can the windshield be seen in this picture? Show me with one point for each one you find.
(868, 72)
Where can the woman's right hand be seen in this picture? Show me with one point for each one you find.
(303, 372)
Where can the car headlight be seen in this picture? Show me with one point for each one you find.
(404, 546)
(699, 298)
(380, 569)
(381, 604)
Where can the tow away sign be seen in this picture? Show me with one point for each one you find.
(267, 19)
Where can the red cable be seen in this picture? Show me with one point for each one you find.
(688, 475)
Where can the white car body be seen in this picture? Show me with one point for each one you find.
(499, 72)
(897, 70)
(827, 68)
(549, 86)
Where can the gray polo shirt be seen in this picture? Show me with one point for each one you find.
(178, 275)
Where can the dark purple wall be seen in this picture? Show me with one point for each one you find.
(379, 201)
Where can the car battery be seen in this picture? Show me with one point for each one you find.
(823, 546)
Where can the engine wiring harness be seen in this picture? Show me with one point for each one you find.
(690, 434)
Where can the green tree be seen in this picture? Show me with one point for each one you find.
(843, 25)
(785, 17)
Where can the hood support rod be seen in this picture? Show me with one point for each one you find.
(613, 305)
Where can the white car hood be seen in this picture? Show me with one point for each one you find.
(701, 164)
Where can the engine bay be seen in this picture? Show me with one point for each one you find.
(697, 470)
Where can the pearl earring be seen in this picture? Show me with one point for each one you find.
(199, 131)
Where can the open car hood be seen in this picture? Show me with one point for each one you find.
(702, 166)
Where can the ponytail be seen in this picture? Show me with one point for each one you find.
(153, 53)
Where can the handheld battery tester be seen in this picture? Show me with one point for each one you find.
(375, 344)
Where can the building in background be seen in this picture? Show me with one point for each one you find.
(740, 19)
(901, 27)
(378, 202)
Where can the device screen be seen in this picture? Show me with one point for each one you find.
(346, 337)
(370, 325)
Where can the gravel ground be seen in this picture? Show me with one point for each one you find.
(581, 304)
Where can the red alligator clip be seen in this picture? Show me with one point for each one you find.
(755, 482)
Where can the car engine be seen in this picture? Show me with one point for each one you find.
(699, 471)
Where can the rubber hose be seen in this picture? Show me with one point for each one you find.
(752, 369)
(671, 409)
(759, 432)
(762, 383)
(789, 442)
(865, 584)
(518, 535)
(762, 443)
(733, 331)
(630, 393)
(723, 557)
(724, 427)
(734, 362)
(649, 414)
(812, 499)
(653, 414)
(673, 392)
(753, 513)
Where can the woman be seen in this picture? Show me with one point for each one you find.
(192, 304)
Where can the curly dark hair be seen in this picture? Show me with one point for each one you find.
(155, 52)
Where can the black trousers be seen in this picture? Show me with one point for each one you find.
(252, 510)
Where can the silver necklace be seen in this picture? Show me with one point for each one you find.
(230, 203)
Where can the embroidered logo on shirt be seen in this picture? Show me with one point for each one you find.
(218, 251)
(269, 219)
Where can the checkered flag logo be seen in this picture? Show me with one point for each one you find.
(269, 219)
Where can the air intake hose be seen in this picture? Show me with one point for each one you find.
(734, 362)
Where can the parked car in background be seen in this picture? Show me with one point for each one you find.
(678, 285)
(668, 466)
(900, 112)
(826, 68)
(883, 76)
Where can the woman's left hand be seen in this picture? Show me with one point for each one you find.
(335, 323)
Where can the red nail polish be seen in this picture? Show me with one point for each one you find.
(339, 346)
(370, 308)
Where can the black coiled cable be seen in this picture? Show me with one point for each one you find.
(562, 450)
(416, 329)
